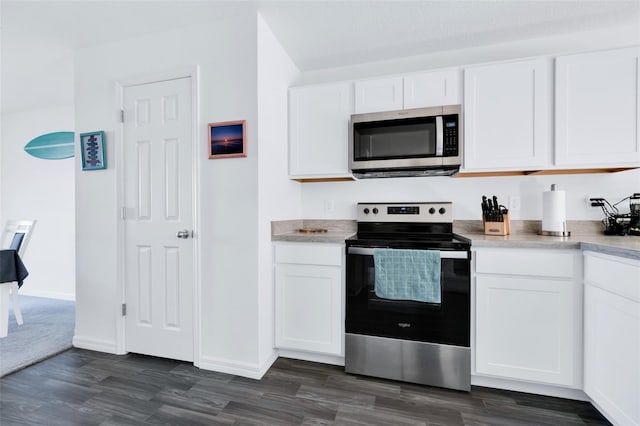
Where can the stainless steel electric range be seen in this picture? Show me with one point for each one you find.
(417, 341)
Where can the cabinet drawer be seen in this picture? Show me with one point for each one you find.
(309, 254)
(541, 263)
(617, 275)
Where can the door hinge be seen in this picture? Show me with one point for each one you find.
(122, 116)
(124, 309)
(123, 213)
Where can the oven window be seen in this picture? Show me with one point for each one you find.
(394, 139)
(446, 323)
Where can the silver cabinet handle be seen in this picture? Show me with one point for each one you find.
(184, 234)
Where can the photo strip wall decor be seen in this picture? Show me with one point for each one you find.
(227, 139)
(92, 150)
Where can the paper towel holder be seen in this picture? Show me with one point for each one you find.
(555, 233)
(563, 233)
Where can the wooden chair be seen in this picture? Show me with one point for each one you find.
(16, 235)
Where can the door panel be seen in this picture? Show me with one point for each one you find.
(524, 329)
(597, 111)
(158, 197)
(308, 308)
(507, 108)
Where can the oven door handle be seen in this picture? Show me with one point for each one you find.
(444, 254)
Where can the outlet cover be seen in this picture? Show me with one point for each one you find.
(514, 203)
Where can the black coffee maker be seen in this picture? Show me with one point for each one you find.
(616, 223)
(634, 215)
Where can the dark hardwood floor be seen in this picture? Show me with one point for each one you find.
(79, 387)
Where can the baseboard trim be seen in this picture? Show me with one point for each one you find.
(97, 345)
(535, 388)
(244, 369)
(313, 357)
(609, 417)
(47, 294)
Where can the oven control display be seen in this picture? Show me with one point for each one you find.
(403, 210)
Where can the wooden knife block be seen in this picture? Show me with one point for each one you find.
(498, 228)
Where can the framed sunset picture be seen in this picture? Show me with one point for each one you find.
(227, 139)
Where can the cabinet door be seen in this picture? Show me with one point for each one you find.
(612, 336)
(432, 89)
(319, 130)
(528, 329)
(309, 308)
(612, 354)
(381, 94)
(598, 108)
(507, 112)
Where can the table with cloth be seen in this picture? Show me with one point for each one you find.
(11, 270)
(11, 267)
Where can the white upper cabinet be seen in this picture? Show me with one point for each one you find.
(435, 88)
(598, 108)
(417, 90)
(380, 94)
(507, 115)
(319, 130)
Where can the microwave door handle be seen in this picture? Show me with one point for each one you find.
(439, 136)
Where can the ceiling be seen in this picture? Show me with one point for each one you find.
(39, 35)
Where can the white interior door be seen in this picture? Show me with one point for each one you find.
(158, 198)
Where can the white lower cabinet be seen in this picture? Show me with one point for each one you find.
(309, 288)
(612, 336)
(528, 315)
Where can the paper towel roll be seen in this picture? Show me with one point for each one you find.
(553, 210)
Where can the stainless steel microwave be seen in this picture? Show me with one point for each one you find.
(412, 142)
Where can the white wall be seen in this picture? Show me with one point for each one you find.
(226, 52)
(466, 193)
(2, 219)
(279, 198)
(33, 188)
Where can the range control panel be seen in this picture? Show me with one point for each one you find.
(406, 212)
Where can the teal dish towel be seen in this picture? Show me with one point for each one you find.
(407, 274)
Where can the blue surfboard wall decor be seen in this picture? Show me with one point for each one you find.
(52, 146)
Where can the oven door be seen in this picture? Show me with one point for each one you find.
(445, 323)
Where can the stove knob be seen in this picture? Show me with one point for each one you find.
(366, 211)
(442, 210)
(375, 210)
(432, 210)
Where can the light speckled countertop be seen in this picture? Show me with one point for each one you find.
(337, 230)
(585, 235)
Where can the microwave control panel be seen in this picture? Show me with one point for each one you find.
(450, 124)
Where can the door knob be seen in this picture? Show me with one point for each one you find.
(183, 234)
